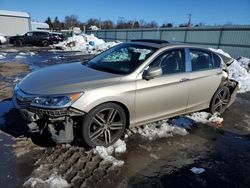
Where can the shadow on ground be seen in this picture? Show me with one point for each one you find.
(13, 124)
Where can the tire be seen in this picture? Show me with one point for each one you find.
(220, 100)
(45, 43)
(104, 125)
(18, 43)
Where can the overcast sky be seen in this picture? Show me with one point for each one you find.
(175, 11)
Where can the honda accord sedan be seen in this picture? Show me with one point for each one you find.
(131, 84)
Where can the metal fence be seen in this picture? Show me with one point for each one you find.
(234, 39)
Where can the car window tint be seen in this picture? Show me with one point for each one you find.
(36, 34)
(171, 62)
(43, 34)
(200, 60)
(217, 61)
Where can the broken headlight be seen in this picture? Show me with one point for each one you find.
(57, 101)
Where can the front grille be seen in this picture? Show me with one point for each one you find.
(51, 113)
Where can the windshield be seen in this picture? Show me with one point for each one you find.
(121, 59)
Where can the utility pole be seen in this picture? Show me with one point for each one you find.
(100, 23)
(189, 19)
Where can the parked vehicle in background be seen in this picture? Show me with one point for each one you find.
(59, 37)
(43, 38)
(131, 84)
(3, 39)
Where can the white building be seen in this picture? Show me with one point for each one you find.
(14, 23)
(39, 26)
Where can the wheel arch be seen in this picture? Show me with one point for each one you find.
(124, 107)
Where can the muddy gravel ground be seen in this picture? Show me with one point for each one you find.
(224, 152)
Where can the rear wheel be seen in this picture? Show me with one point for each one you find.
(220, 100)
(45, 43)
(104, 125)
(18, 43)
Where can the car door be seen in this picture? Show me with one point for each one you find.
(29, 37)
(204, 78)
(165, 95)
(37, 39)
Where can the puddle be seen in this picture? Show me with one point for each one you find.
(5, 107)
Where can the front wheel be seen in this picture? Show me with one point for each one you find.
(220, 100)
(104, 125)
(18, 43)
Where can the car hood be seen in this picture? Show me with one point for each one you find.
(66, 78)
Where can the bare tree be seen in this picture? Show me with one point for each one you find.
(49, 22)
(57, 24)
(107, 24)
(121, 23)
(169, 25)
(91, 22)
(71, 21)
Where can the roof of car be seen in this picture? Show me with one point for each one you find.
(163, 43)
(39, 31)
(156, 43)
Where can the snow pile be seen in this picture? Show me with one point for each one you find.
(85, 43)
(106, 153)
(94, 28)
(2, 56)
(176, 126)
(161, 129)
(205, 117)
(54, 181)
(244, 62)
(238, 70)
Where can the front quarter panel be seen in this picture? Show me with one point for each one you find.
(122, 92)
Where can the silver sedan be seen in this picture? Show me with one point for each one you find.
(131, 84)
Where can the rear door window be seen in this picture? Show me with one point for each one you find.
(217, 61)
(201, 60)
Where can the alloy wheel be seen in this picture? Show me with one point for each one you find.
(106, 126)
(221, 100)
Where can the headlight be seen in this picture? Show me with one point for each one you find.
(57, 101)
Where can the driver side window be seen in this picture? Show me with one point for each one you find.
(29, 34)
(171, 62)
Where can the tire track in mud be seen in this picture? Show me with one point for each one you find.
(80, 168)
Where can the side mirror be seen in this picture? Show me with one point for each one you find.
(151, 73)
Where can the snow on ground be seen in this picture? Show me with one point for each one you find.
(27, 53)
(176, 126)
(106, 153)
(20, 57)
(85, 43)
(54, 181)
(238, 70)
(153, 131)
(2, 56)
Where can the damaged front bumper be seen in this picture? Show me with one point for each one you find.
(59, 122)
(234, 88)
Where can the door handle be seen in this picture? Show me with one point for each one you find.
(184, 79)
